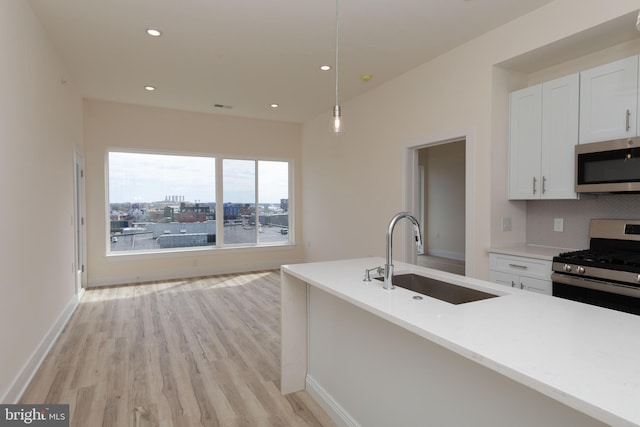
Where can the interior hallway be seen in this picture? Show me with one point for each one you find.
(442, 264)
(196, 352)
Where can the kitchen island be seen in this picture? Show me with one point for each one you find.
(374, 357)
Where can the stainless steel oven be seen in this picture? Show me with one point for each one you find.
(602, 293)
(608, 273)
(608, 166)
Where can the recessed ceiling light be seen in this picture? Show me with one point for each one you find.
(325, 67)
(150, 88)
(274, 105)
(153, 32)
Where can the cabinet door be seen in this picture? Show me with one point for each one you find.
(560, 103)
(521, 282)
(525, 134)
(608, 101)
(505, 279)
(536, 285)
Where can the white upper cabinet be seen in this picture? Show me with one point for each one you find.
(525, 135)
(542, 135)
(609, 101)
(560, 104)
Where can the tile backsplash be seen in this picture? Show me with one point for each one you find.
(577, 215)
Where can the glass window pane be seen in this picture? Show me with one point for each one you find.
(239, 198)
(161, 202)
(273, 197)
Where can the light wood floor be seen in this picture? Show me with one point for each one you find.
(442, 264)
(200, 352)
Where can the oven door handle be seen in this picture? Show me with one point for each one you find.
(598, 285)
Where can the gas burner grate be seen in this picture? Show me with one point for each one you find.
(624, 258)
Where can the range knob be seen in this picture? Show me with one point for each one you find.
(580, 270)
(567, 268)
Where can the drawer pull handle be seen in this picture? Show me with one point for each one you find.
(524, 267)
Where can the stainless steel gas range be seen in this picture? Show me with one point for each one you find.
(608, 273)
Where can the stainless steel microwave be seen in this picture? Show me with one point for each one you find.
(608, 166)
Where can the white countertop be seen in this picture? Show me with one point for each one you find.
(583, 356)
(530, 251)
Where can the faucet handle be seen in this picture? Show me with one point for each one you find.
(367, 273)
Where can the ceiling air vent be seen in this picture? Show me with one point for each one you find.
(226, 107)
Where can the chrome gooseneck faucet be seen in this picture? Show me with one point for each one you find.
(388, 267)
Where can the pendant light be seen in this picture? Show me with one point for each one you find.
(337, 126)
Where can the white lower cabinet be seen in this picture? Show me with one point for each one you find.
(531, 274)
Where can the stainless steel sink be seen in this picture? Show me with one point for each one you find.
(448, 292)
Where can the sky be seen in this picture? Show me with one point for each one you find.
(140, 177)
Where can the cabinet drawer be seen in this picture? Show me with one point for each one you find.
(530, 267)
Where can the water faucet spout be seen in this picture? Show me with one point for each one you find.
(388, 267)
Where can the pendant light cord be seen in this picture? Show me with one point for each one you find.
(337, 50)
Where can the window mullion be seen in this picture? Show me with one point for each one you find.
(219, 204)
(290, 205)
(257, 206)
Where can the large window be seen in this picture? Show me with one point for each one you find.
(256, 201)
(160, 202)
(273, 199)
(239, 196)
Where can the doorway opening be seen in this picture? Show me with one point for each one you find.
(440, 202)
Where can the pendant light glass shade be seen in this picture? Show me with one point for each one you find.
(337, 126)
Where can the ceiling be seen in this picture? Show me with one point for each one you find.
(247, 54)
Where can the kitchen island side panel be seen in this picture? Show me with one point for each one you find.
(381, 375)
(293, 320)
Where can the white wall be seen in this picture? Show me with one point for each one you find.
(40, 126)
(112, 125)
(346, 210)
(504, 81)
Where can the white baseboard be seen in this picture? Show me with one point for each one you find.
(24, 377)
(176, 275)
(330, 406)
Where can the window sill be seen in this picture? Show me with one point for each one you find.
(197, 251)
